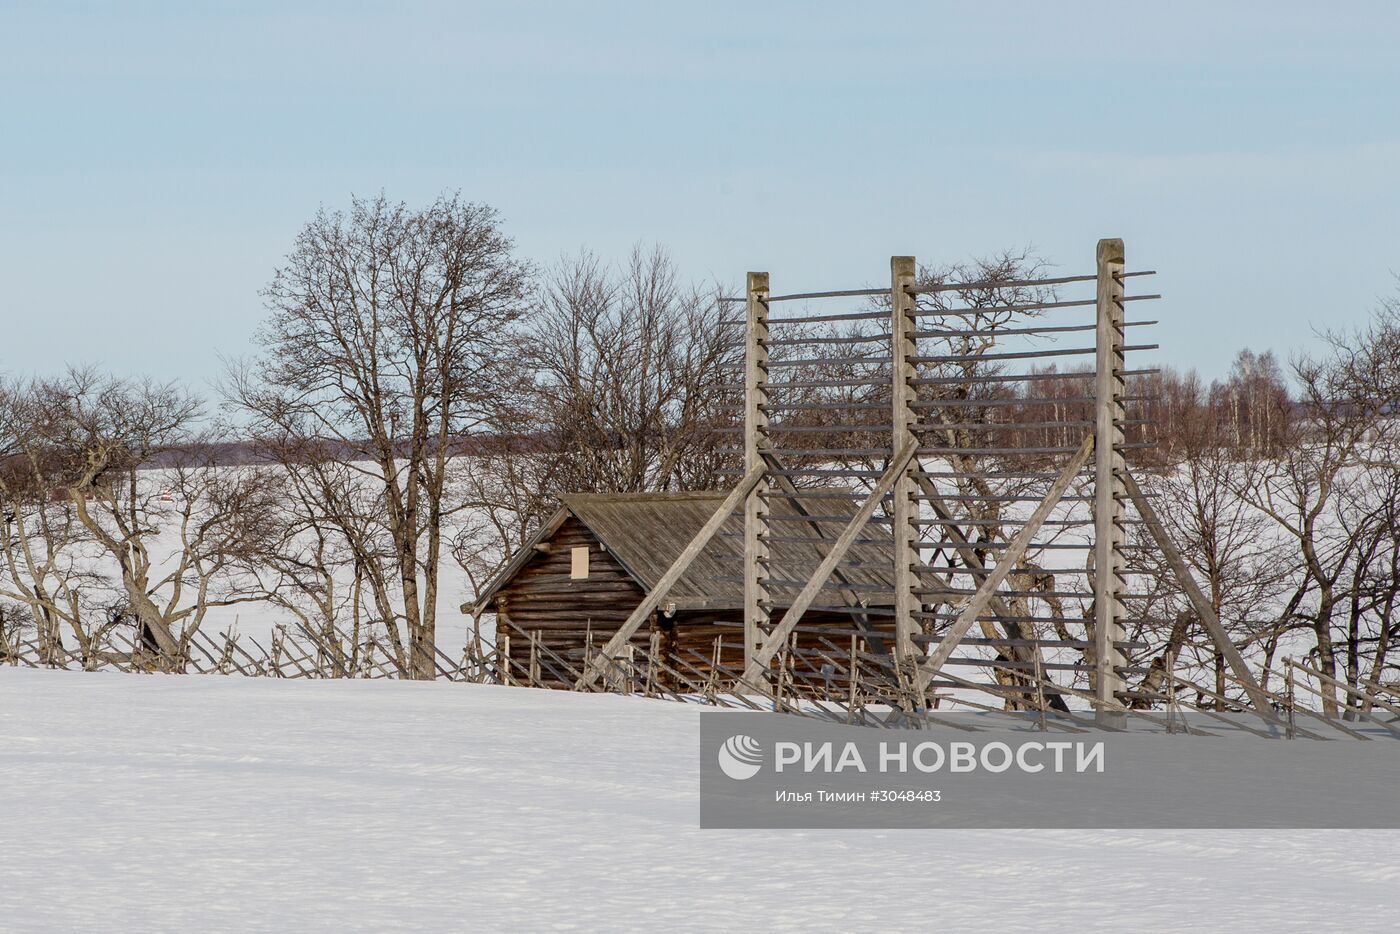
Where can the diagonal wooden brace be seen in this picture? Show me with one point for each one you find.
(790, 492)
(764, 654)
(1187, 580)
(668, 580)
(928, 669)
(965, 549)
(968, 552)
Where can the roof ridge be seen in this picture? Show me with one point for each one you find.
(623, 497)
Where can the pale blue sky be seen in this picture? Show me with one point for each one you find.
(157, 159)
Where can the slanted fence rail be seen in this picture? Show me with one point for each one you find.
(284, 652)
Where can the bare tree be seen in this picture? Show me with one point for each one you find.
(1242, 568)
(622, 387)
(328, 559)
(1370, 627)
(1362, 379)
(628, 376)
(138, 472)
(41, 541)
(1321, 489)
(388, 340)
(510, 492)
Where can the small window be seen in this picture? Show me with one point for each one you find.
(578, 563)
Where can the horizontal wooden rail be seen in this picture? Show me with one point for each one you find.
(993, 284)
(1003, 332)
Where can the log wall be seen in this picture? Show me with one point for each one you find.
(543, 604)
(543, 598)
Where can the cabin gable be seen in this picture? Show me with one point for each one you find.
(548, 594)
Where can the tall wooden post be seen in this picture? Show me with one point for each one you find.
(906, 506)
(756, 597)
(502, 643)
(1110, 490)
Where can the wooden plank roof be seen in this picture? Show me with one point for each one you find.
(645, 532)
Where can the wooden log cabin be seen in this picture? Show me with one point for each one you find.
(593, 562)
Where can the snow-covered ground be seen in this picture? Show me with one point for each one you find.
(168, 803)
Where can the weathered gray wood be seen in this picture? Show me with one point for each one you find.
(503, 627)
(1289, 703)
(839, 293)
(1025, 649)
(1191, 687)
(754, 670)
(1280, 699)
(1108, 476)
(1327, 679)
(1035, 354)
(1038, 283)
(756, 596)
(929, 668)
(668, 580)
(794, 496)
(1355, 692)
(1187, 580)
(953, 530)
(906, 508)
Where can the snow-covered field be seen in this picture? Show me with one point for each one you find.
(168, 803)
